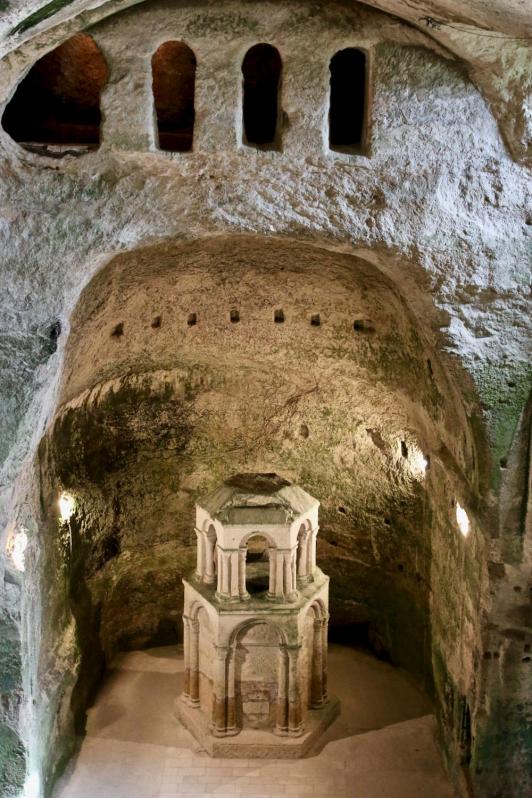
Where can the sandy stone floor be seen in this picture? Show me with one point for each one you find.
(382, 746)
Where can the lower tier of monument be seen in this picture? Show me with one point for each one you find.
(258, 743)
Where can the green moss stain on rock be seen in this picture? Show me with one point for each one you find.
(10, 655)
(12, 763)
(503, 750)
(40, 15)
(503, 391)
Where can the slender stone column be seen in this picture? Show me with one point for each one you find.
(200, 554)
(281, 725)
(295, 726)
(219, 699)
(279, 573)
(186, 655)
(227, 587)
(219, 570)
(193, 683)
(324, 648)
(316, 684)
(231, 727)
(290, 592)
(234, 560)
(293, 562)
(287, 575)
(312, 552)
(242, 559)
(210, 544)
(272, 555)
(226, 573)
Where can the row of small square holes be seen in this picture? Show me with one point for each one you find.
(360, 325)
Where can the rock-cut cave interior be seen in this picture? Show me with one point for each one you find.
(265, 399)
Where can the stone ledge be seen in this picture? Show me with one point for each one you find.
(255, 743)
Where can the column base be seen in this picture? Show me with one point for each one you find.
(296, 732)
(225, 598)
(258, 743)
(319, 704)
(229, 732)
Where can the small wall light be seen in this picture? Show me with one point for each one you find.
(32, 788)
(16, 547)
(417, 461)
(462, 519)
(420, 461)
(67, 506)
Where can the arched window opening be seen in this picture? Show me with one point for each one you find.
(174, 77)
(347, 110)
(56, 107)
(261, 68)
(257, 565)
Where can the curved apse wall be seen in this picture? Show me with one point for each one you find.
(166, 390)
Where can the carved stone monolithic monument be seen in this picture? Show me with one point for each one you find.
(255, 622)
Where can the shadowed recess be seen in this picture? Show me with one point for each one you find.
(174, 75)
(348, 99)
(58, 102)
(262, 77)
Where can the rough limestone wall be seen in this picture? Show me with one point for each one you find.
(503, 757)
(439, 203)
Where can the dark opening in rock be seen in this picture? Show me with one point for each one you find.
(58, 102)
(234, 315)
(465, 732)
(278, 316)
(192, 319)
(261, 68)
(156, 323)
(118, 330)
(173, 81)
(315, 320)
(347, 99)
(55, 331)
(363, 325)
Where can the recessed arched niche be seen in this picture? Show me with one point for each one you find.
(55, 109)
(261, 69)
(348, 101)
(173, 82)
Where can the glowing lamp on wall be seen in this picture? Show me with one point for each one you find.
(32, 788)
(462, 519)
(67, 506)
(16, 548)
(418, 462)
